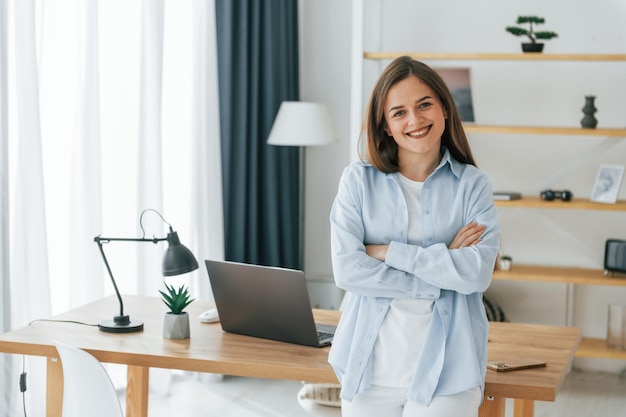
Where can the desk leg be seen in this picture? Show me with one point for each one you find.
(492, 407)
(137, 391)
(54, 387)
(523, 408)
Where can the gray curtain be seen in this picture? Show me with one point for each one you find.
(257, 43)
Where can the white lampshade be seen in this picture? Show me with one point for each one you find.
(301, 123)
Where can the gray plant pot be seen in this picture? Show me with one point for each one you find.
(176, 326)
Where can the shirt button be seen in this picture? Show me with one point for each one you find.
(427, 211)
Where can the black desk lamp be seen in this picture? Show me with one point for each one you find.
(177, 260)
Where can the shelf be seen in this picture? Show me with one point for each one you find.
(596, 348)
(565, 275)
(575, 204)
(495, 56)
(542, 130)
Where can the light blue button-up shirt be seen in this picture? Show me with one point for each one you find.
(370, 209)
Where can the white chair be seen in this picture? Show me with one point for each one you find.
(320, 399)
(87, 387)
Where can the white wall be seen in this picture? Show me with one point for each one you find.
(548, 94)
(325, 77)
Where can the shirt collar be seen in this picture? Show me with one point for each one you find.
(446, 159)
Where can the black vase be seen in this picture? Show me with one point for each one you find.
(589, 121)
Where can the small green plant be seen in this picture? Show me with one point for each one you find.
(176, 300)
(532, 35)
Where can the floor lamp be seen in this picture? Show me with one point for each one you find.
(302, 124)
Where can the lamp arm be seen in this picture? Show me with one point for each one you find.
(100, 240)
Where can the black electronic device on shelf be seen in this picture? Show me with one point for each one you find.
(615, 256)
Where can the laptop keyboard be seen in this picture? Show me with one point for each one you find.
(323, 335)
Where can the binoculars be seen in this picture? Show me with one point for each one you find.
(550, 195)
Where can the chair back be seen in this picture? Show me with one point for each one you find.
(321, 400)
(87, 387)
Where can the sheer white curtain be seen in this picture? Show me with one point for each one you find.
(112, 109)
(6, 371)
(29, 279)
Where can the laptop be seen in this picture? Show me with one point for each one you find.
(266, 302)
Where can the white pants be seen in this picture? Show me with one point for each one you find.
(392, 402)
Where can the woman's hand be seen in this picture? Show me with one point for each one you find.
(377, 251)
(469, 235)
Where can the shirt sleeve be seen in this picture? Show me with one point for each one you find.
(464, 270)
(353, 269)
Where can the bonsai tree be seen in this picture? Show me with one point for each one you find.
(532, 35)
(176, 300)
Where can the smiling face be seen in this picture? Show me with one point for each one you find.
(415, 118)
(415, 91)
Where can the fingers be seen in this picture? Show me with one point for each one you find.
(469, 235)
(474, 235)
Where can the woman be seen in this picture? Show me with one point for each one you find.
(414, 239)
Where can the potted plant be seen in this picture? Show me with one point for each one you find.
(176, 322)
(505, 262)
(533, 46)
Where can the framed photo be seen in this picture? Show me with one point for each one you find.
(459, 82)
(607, 184)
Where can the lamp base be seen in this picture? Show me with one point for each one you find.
(121, 326)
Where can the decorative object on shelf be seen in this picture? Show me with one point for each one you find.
(177, 260)
(550, 195)
(504, 262)
(615, 256)
(533, 46)
(506, 195)
(589, 121)
(176, 321)
(615, 326)
(607, 185)
(458, 81)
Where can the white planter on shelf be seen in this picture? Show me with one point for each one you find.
(505, 263)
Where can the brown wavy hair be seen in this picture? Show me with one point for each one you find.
(382, 151)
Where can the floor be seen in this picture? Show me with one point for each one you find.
(201, 395)
(584, 394)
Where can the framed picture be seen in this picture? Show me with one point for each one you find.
(459, 82)
(607, 184)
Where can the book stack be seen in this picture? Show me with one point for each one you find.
(506, 195)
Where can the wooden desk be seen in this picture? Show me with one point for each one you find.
(211, 350)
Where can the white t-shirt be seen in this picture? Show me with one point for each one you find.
(402, 333)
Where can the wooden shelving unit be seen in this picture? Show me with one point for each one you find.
(574, 204)
(478, 56)
(589, 347)
(564, 275)
(597, 348)
(545, 130)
